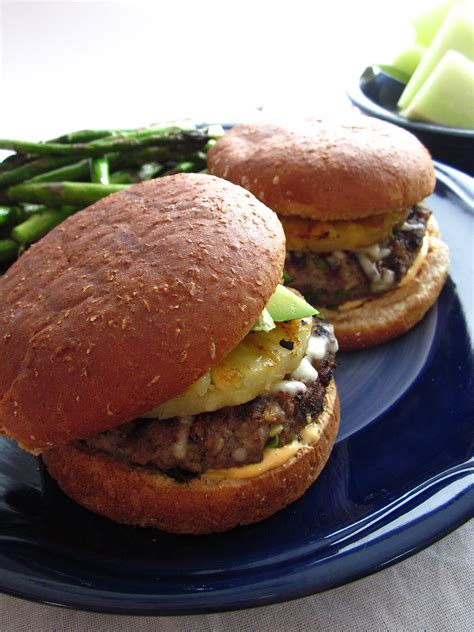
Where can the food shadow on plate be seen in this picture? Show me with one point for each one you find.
(39, 514)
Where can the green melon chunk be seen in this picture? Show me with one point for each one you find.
(286, 305)
(456, 33)
(440, 99)
(406, 62)
(428, 22)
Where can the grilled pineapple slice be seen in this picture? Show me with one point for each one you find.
(261, 360)
(306, 234)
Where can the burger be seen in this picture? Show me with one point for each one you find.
(361, 243)
(155, 362)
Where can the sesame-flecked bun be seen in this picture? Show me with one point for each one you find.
(325, 169)
(395, 312)
(137, 495)
(128, 302)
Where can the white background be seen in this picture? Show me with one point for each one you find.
(71, 65)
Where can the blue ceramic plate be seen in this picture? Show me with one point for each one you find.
(400, 477)
(376, 94)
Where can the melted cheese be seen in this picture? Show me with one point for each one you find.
(180, 445)
(272, 457)
(409, 276)
(376, 252)
(292, 387)
(413, 270)
(305, 372)
(318, 347)
(311, 433)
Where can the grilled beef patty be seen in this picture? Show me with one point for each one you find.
(330, 279)
(231, 436)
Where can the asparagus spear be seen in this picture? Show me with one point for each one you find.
(13, 161)
(75, 172)
(193, 139)
(40, 169)
(59, 193)
(87, 135)
(39, 224)
(31, 169)
(124, 177)
(141, 159)
(84, 136)
(146, 171)
(181, 167)
(8, 249)
(150, 155)
(49, 169)
(99, 170)
(49, 177)
(10, 215)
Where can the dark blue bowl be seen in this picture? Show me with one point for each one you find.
(376, 94)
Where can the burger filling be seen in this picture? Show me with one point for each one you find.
(331, 279)
(185, 446)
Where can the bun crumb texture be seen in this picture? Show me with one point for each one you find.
(128, 302)
(326, 169)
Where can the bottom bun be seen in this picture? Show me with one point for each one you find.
(135, 495)
(392, 314)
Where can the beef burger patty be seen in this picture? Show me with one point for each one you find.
(332, 279)
(231, 436)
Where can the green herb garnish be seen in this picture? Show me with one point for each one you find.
(274, 442)
(320, 263)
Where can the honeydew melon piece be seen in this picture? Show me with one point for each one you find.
(394, 73)
(428, 22)
(447, 96)
(391, 46)
(456, 33)
(407, 61)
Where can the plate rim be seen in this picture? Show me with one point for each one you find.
(358, 98)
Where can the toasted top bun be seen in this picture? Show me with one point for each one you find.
(326, 170)
(128, 302)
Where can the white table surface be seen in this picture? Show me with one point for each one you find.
(73, 65)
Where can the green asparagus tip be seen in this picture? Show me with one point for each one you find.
(39, 224)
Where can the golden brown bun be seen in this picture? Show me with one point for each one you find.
(128, 302)
(326, 170)
(135, 495)
(394, 313)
